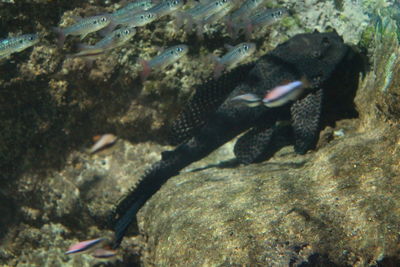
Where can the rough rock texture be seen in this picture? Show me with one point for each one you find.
(337, 205)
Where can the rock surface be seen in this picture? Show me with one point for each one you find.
(336, 205)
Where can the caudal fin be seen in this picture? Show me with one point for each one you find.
(146, 69)
(61, 36)
(218, 68)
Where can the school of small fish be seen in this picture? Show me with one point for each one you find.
(118, 28)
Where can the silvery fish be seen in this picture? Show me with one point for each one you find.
(166, 7)
(133, 7)
(102, 253)
(282, 94)
(83, 27)
(250, 100)
(139, 19)
(166, 58)
(202, 10)
(262, 19)
(222, 7)
(17, 44)
(113, 40)
(245, 9)
(231, 59)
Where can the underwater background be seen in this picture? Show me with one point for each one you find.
(337, 205)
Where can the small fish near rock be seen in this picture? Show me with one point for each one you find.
(17, 44)
(84, 246)
(166, 58)
(102, 142)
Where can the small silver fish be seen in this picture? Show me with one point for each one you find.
(139, 19)
(83, 27)
(166, 7)
(166, 58)
(245, 9)
(262, 19)
(102, 253)
(133, 7)
(104, 141)
(231, 59)
(201, 11)
(17, 44)
(251, 100)
(84, 246)
(282, 94)
(222, 8)
(111, 41)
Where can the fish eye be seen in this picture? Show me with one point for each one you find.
(179, 49)
(127, 31)
(246, 47)
(31, 38)
(103, 19)
(279, 13)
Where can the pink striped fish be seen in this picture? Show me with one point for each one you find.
(282, 94)
(84, 246)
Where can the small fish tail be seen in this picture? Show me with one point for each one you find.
(231, 29)
(61, 36)
(248, 31)
(218, 68)
(146, 69)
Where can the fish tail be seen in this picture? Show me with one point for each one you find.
(230, 29)
(248, 31)
(146, 69)
(61, 36)
(218, 68)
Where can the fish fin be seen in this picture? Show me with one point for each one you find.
(218, 68)
(248, 31)
(108, 29)
(261, 143)
(199, 32)
(61, 36)
(306, 114)
(83, 36)
(146, 69)
(81, 46)
(228, 46)
(76, 18)
(231, 29)
(206, 99)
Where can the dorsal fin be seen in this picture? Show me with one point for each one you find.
(206, 99)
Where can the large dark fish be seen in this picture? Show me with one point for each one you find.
(211, 119)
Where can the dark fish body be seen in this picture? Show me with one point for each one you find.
(211, 119)
(17, 44)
